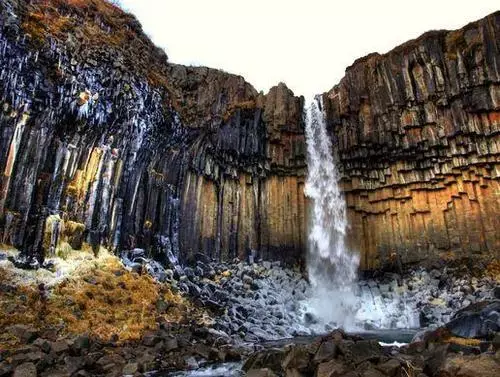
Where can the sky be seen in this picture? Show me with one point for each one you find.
(306, 44)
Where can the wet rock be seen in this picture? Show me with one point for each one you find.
(24, 333)
(476, 321)
(332, 368)
(360, 351)
(326, 351)
(269, 358)
(264, 372)
(389, 368)
(130, 369)
(73, 364)
(80, 343)
(191, 363)
(43, 344)
(310, 319)
(436, 359)
(146, 362)
(206, 352)
(297, 358)
(151, 340)
(110, 362)
(22, 357)
(59, 347)
(56, 372)
(371, 372)
(5, 369)
(293, 373)
(496, 292)
(170, 344)
(219, 334)
(82, 373)
(25, 370)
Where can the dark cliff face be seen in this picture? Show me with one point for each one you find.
(104, 142)
(417, 134)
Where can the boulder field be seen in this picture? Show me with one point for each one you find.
(86, 316)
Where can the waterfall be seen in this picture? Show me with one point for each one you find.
(332, 268)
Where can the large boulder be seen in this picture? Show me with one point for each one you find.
(25, 370)
(480, 320)
(269, 358)
(360, 351)
(470, 366)
(332, 368)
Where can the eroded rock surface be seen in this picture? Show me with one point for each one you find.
(417, 135)
(104, 142)
(350, 355)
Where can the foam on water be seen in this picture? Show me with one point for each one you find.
(393, 344)
(215, 370)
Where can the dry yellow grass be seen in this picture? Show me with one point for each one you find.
(98, 22)
(52, 17)
(18, 305)
(100, 298)
(104, 301)
(463, 341)
(493, 270)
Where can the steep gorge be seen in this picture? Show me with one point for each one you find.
(103, 141)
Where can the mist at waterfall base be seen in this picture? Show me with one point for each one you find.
(331, 268)
(336, 299)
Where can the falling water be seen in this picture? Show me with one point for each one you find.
(332, 268)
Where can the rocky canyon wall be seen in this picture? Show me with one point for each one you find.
(416, 131)
(104, 142)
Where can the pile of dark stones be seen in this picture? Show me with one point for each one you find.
(42, 352)
(342, 355)
(261, 301)
(251, 302)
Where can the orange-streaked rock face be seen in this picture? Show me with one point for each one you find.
(417, 134)
(235, 215)
(106, 142)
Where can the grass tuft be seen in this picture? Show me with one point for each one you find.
(100, 298)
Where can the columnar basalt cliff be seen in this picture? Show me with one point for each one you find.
(417, 136)
(104, 142)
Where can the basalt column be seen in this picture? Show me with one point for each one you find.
(103, 142)
(417, 134)
(244, 188)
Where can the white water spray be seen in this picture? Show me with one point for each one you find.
(332, 268)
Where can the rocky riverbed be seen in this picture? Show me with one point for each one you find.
(341, 354)
(262, 301)
(86, 316)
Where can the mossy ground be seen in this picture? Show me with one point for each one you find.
(99, 298)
